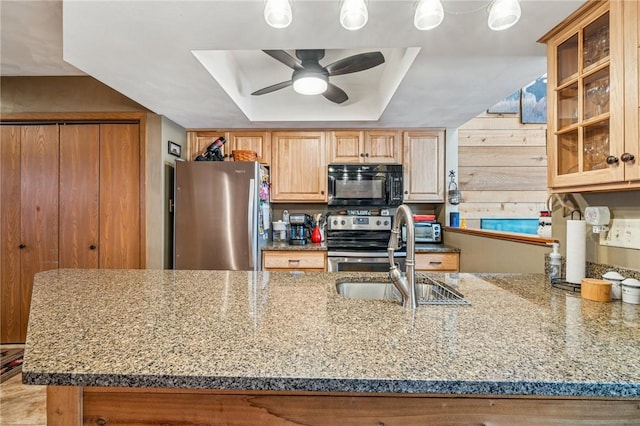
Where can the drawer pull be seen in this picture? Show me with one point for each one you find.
(435, 262)
(294, 260)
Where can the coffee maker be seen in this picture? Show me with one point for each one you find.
(300, 229)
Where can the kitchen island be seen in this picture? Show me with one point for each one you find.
(203, 347)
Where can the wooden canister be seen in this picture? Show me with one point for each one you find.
(595, 289)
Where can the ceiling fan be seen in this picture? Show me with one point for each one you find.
(311, 78)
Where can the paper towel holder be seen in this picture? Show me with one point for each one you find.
(575, 211)
(598, 217)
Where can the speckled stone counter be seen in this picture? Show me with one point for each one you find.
(280, 246)
(420, 248)
(292, 331)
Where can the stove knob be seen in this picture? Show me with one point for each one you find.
(343, 222)
(378, 223)
(386, 222)
(335, 222)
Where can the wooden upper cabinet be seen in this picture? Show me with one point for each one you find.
(593, 61)
(199, 140)
(423, 166)
(383, 146)
(346, 146)
(260, 142)
(298, 167)
(372, 146)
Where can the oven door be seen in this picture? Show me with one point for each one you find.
(361, 262)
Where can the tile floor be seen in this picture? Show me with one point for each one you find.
(22, 405)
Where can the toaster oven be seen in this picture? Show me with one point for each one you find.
(425, 232)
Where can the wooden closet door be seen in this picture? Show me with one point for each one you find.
(39, 208)
(120, 239)
(10, 285)
(79, 195)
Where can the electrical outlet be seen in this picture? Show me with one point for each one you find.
(622, 233)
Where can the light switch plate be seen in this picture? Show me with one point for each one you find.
(622, 233)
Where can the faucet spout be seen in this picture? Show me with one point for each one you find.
(406, 284)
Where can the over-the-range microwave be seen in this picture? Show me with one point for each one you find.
(369, 185)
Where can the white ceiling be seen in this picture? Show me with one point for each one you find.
(148, 50)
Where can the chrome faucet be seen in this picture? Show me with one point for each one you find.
(406, 284)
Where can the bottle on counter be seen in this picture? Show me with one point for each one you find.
(316, 236)
(555, 264)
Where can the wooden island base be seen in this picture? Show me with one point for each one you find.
(69, 405)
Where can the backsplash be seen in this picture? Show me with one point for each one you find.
(596, 270)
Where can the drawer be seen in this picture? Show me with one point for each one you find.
(293, 260)
(437, 262)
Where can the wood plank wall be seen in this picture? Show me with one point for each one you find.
(502, 168)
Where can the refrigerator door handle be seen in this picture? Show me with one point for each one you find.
(251, 224)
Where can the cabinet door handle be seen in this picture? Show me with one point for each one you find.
(92, 247)
(612, 159)
(361, 154)
(21, 246)
(627, 157)
(366, 155)
(321, 192)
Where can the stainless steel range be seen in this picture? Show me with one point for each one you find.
(359, 243)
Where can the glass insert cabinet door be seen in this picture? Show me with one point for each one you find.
(583, 120)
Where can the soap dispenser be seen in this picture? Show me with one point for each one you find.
(555, 264)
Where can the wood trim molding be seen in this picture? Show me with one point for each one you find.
(71, 116)
(507, 236)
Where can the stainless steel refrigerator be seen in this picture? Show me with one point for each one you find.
(221, 215)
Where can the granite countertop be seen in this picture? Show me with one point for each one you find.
(291, 331)
(420, 248)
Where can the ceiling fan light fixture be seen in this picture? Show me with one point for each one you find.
(314, 84)
(503, 14)
(429, 14)
(354, 14)
(278, 13)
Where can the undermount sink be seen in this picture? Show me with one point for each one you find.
(430, 292)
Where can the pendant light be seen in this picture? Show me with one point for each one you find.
(278, 13)
(503, 14)
(429, 14)
(354, 14)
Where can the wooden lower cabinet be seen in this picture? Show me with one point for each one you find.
(437, 262)
(68, 406)
(293, 260)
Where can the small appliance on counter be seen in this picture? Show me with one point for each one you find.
(299, 229)
(426, 230)
(280, 233)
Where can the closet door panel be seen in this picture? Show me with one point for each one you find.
(39, 207)
(120, 238)
(10, 285)
(79, 195)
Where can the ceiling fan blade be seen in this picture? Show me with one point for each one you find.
(355, 63)
(273, 88)
(285, 58)
(335, 94)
